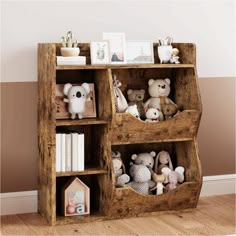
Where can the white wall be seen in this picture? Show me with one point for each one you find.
(208, 23)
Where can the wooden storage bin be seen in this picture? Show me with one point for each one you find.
(128, 202)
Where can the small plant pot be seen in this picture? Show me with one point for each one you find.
(70, 52)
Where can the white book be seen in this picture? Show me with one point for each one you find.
(78, 58)
(68, 152)
(81, 152)
(58, 152)
(63, 152)
(74, 151)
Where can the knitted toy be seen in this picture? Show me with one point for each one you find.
(141, 175)
(162, 160)
(76, 98)
(146, 158)
(119, 169)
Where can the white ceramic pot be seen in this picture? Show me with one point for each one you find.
(164, 53)
(70, 52)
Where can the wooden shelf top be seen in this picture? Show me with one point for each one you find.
(87, 171)
(125, 66)
(70, 122)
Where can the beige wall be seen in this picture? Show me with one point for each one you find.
(19, 131)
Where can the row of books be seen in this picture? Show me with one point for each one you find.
(63, 61)
(69, 152)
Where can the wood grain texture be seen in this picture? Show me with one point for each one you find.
(214, 215)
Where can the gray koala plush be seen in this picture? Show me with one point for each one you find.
(76, 98)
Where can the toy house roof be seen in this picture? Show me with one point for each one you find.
(75, 181)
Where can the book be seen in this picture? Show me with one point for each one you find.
(62, 107)
(63, 152)
(68, 152)
(58, 152)
(74, 151)
(79, 60)
(81, 152)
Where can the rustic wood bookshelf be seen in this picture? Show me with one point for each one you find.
(120, 132)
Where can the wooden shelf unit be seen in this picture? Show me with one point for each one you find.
(118, 131)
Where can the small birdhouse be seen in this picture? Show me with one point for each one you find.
(76, 198)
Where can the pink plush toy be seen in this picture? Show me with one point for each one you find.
(162, 160)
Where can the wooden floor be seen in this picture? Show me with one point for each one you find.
(214, 216)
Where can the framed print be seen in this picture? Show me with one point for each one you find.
(99, 52)
(140, 52)
(117, 47)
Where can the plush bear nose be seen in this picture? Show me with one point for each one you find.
(163, 86)
(78, 94)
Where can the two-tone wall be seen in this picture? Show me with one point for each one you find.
(209, 24)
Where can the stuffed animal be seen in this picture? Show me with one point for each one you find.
(133, 110)
(159, 180)
(119, 169)
(141, 182)
(156, 89)
(76, 98)
(168, 109)
(120, 101)
(146, 159)
(152, 115)
(162, 160)
(174, 57)
(173, 176)
(136, 97)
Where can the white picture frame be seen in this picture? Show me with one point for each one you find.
(117, 47)
(99, 52)
(140, 52)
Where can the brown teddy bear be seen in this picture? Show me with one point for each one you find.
(168, 109)
(136, 97)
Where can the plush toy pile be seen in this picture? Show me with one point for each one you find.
(149, 173)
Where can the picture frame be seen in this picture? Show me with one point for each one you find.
(61, 106)
(140, 52)
(99, 52)
(117, 47)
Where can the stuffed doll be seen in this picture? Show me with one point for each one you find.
(173, 176)
(119, 169)
(76, 98)
(153, 115)
(162, 160)
(120, 101)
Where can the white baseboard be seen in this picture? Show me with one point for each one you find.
(218, 185)
(27, 202)
(18, 202)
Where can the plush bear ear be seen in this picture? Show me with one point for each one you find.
(86, 87)
(67, 88)
(167, 80)
(153, 154)
(180, 171)
(150, 82)
(134, 156)
(129, 91)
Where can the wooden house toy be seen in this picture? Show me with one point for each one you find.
(75, 198)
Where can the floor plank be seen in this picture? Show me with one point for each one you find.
(214, 215)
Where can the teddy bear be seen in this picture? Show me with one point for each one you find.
(76, 98)
(156, 89)
(136, 97)
(168, 109)
(152, 115)
(141, 178)
(162, 160)
(173, 176)
(119, 169)
(133, 110)
(146, 158)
